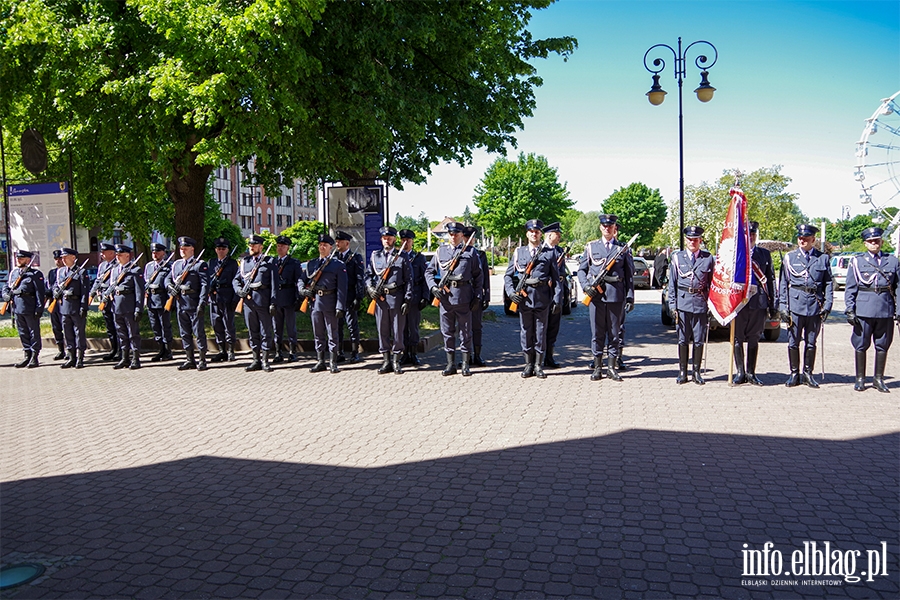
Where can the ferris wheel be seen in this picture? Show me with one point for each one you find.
(878, 164)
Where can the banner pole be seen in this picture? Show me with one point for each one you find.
(731, 358)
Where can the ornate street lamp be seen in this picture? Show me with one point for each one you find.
(704, 92)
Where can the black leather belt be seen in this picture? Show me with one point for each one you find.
(807, 289)
(876, 289)
(459, 284)
(285, 286)
(694, 290)
(324, 292)
(536, 282)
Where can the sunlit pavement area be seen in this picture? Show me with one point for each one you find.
(164, 484)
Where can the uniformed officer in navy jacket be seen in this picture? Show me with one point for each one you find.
(462, 290)
(328, 296)
(389, 270)
(55, 317)
(126, 294)
(190, 294)
(101, 283)
(72, 305)
(690, 276)
(805, 293)
(607, 307)
(419, 300)
(475, 359)
(356, 290)
(871, 306)
(156, 294)
(287, 274)
(255, 283)
(751, 319)
(223, 300)
(552, 235)
(540, 295)
(26, 299)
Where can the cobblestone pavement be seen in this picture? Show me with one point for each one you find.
(162, 484)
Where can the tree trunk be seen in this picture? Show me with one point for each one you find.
(187, 189)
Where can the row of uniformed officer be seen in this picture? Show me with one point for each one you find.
(55, 317)
(24, 292)
(71, 290)
(389, 284)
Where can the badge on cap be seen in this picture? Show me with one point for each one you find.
(807, 230)
(324, 238)
(534, 224)
(186, 241)
(693, 231)
(609, 220)
(387, 230)
(872, 233)
(455, 227)
(552, 227)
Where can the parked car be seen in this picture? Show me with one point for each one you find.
(839, 265)
(641, 273)
(771, 332)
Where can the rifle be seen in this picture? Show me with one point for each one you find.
(62, 288)
(520, 287)
(600, 279)
(111, 290)
(214, 280)
(181, 278)
(246, 287)
(379, 289)
(304, 306)
(96, 285)
(5, 305)
(442, 284)
(156, 274)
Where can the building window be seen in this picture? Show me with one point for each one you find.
(278, 220)
(287, 218)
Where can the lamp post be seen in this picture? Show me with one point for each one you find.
(704, 92)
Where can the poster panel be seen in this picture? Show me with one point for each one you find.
(358, 211)
(39, 220)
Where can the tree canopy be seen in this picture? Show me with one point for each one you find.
(148, 96)
(511, 193)
(768, 202)
(639, 210)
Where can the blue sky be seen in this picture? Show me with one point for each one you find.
(795, 82)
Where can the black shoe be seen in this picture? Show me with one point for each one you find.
(354, 357)
(62, 352)
(70, 360)
(683, 352)
(476, 360)
(740, 375)
(539, 366)
(464, 371)
(201, 364)
(809, 363)
(255, 364)
(266, 367)
(807, 378)
(33, 362)
(413, 359)
(597, 375)
(112, 355)
(188, 364)
(79, 360)
(340, 357)
(860, 360)
(698, 362)
(752, 379)
(279, 358)
(387, 366)
(229, 350)
(620, 363)
(398, 370)
(612, 370)
(529, 365)
(220, 356)
(450, 369)
(794, 361)
(548, 359)
(124, 362)
(24, 362)
(320, 363)
(135, 362)
(878, 380)
(333, 366)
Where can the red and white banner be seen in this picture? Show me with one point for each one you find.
(730, 289)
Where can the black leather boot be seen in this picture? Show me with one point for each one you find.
(477, 361)
(860, 385)
(113, 351)
(219, 356)
(166, 352)
(809, 363)
(794, 361)
(612, 368)
(159, 353)
(464, 371)
(279, 356)
(320, 363)
(752, 354)
(387, 365)
(539, 366)
(135, 361)
(529, 365)
(266, 367)
(450, 369)
(201, 364)
(683, 353)
(79, 360)
(620, 362)
(413, 359)
(70, 360)
(24, 362)
(229, 351)
(548, 359)
(597, 375)
(33, 362)
(190, 362)
(124, 361)
(354, 356)
(398, 370)
(333, 367)
(698, 364)
(62, 351)
(740, 376)
(878, 380)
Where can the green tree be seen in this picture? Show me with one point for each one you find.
(640, 210)
(304, 238)
(417, 225)
(510, 193)
(585, 229)
(148, 96)
(567, 222)
(768, 203)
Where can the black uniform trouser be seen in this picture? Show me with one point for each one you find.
(191, 324)
(74, 332)
(456, 317)
(533, 328)
(285, 319)
(259, 325)
(110, 320)
(221, 315)
(128, 331)
(56, 325)
(606, 322)
(161, 324)
(870, 329)
(351, 318)
(553, 322)
(391, 324)
(477, 327)
(692, 327)
(411, 330)
(805, 328)
(325, 328)
(29, 328)
(749, 325)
